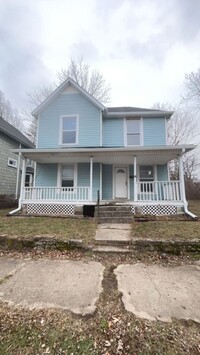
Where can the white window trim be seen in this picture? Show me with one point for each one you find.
(60, 130)
(141, 131)
(14, 161)
(59, 174)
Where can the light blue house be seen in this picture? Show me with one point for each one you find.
(86, 152)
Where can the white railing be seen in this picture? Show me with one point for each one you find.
(71, 194)
(159, 191)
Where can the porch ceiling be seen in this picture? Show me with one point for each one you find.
(145, 155)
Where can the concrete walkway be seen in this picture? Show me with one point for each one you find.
(113, 232)
(151, 292)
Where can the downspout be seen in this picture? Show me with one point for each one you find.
(181, 176)
(21, 190)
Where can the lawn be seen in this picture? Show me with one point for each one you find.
(169, 230)
(63, 228)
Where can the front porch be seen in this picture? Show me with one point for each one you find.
(66, 180)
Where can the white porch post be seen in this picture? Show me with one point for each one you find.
(23, 179)
(181, 178)
(135, 178)
(18, 172)
(91, 177)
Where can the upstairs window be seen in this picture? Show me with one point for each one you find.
(69, 129)
(133, 132)
(67, 176)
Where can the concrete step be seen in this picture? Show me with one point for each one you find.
(114, 214)
(114, 208)
(111, 249)
(114, 219)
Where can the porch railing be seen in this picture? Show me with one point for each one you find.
(159, 191)
(71, 194)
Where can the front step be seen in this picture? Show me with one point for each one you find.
(114, 214)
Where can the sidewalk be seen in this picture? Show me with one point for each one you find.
(151, 292)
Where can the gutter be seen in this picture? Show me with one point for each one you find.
(190, 214)
(17, 209)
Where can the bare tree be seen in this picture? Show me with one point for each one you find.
(89, 79)
(10, 114)
(83, 74)
(181, 129)
(192, 85)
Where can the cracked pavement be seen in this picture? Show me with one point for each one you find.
(153, 292)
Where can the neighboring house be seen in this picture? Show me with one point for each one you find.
(10, 173)
(85, 150)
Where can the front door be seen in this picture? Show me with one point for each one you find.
(120, 182)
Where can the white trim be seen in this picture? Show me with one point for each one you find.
(155, 173)
(91, 178)
(100, 182)
(63, 86)
(60, 130)
(149, 114)
(135, 171)
(59, 170)
(140, 131)
(128, 182)
(35, 173)
(37, 133)
(166, 137)
(118, 166)
(14, 163)
(101, 130)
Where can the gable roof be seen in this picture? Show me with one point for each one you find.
(69, 81)
(14, 133)
(135, 111)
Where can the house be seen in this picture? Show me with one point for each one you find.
(88, 153)
(10, 174)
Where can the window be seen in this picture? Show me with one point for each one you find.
(146, 176)
(69, 130)
(12, 162)
(133, 131)
(67, 176)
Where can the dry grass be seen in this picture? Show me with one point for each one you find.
(170, 230)
(63, 228)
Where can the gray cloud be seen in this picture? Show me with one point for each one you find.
(21, 65)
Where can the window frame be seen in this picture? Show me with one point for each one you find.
(59, 175)
(12, 165)
(126, 131)
(61, 130)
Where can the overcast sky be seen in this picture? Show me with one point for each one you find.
(142, 47)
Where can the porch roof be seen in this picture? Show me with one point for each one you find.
(122, 155)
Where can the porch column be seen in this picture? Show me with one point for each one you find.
(23, 179)
(18, 172)
(135, 178)
(181, 178)
(91, 177)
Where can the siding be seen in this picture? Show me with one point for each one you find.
(162, 172)
(83, 178)
(69, 104)
(154, 131)
(131, 181)
(113, 132)
(8, 174)
(107, 182)
(46, 175)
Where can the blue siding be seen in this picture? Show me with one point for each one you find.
(83, 178)
(154, 131)
(46, 175)
(107, 182)
(69, 104)
(113, 132)
(162, 172)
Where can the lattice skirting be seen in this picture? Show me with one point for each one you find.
(53, 209)
(159, 210)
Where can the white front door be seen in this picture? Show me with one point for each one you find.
(121, 182)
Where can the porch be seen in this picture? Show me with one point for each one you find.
(66, 179)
